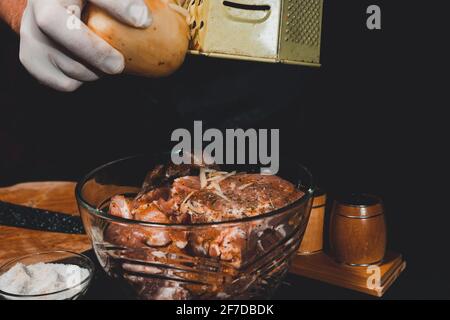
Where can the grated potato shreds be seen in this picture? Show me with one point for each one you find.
(216, 173)
(219, 178)
(213, 185)
(220, 194)
(271, 203)
(191, 207)
(207, 176)
(203, 180)
(214, 178)
(187, 198)
(217, 190)
(245, 186)
(210, 179)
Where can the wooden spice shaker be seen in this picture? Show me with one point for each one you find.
(358, 230)
(313, 238)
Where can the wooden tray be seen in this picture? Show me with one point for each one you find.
(55, 196)
(376, 282)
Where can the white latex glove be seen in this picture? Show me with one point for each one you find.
(62, 52)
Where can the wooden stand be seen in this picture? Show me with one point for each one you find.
(322, 267)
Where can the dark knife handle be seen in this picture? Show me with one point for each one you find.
(14, 215)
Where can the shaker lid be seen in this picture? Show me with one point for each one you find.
(358, 205)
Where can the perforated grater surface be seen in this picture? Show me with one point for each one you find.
(286, 31)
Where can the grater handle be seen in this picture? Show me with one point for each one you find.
(262, 9)
(251, 7)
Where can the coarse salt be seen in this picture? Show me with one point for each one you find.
(43, 278)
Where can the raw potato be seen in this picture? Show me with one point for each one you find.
(156, 51)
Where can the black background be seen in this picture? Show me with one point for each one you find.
(371, 119)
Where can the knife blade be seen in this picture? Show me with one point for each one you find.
(14, 215)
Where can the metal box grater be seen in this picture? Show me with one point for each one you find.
(286, 31)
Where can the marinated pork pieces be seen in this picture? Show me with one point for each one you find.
(174, 195)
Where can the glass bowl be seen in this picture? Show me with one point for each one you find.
(176, 271)
(61, 257)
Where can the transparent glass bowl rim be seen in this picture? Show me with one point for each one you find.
(101, 214)
(79, 255)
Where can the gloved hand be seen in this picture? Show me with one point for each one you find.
(62, 52)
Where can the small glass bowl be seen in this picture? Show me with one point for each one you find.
(61, 257)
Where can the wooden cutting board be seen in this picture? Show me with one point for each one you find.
(53, 196)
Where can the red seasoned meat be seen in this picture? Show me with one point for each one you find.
(213, 196)
(236, 197)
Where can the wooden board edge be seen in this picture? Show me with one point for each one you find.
(395, 274)
(388, 280)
